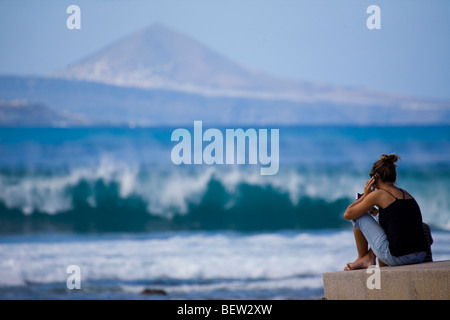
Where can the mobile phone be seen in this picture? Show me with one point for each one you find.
(374, 186)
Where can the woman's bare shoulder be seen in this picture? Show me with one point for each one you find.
(382, 198)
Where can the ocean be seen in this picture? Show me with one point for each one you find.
(111, 201)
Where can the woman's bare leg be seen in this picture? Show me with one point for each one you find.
(366, 257)
(362, 246)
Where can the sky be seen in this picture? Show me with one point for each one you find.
(313, 40)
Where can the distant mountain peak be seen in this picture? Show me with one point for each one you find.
(157, 57)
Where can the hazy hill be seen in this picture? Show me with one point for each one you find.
(20, 113)
(157, 76)
(93, 103)
(160, 58)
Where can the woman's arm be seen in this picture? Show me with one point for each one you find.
(363, 204)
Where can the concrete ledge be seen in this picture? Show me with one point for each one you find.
(424, 281)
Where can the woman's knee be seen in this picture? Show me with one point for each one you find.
(357, 222)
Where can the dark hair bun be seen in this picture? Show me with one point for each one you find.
(389, 159)
(386, 167)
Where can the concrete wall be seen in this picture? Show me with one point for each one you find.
(425, 281)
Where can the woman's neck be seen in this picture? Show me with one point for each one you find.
(384, 185)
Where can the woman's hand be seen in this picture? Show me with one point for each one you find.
(368, 187)
(364, 204)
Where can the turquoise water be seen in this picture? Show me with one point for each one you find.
(103, 180)
(111, 201)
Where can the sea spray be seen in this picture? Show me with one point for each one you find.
(117, 197)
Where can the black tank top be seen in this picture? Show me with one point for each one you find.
(402, 222)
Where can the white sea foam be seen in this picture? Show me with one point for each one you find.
(189, 256)
(188, 263)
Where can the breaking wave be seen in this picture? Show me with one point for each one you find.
(121, 197)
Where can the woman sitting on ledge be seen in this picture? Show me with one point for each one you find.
(398, 238)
